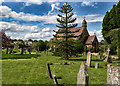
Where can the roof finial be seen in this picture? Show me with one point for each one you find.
(84, 17)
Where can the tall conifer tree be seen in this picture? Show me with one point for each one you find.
(65, 23)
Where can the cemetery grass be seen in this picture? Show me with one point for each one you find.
(33, 70)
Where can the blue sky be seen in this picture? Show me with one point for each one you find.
(37, 20)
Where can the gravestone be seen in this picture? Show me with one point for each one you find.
(108, 59)
(48, 70)
(82, 78)
(55, 79)
(96, 65)
(89, 56)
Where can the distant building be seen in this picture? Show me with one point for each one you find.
(83, 35)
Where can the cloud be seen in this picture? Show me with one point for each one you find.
(89, 3)
(47, 19)
(98, 34)
(90, 18)
(29, 2)
(53, 6)
(37, 35)
(5, 26)
(45, 29)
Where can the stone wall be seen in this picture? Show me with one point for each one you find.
(113, 75)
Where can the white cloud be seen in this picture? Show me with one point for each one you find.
(53, 6)
(29, 2)
(37, 35)
(98, 34)
(45, 29)
(5, 26)
(90, 18)
(89, 3)
(7, 12)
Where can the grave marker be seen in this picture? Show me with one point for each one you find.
(89, 56)
(96, 65)
(82, 78)
(48, 70)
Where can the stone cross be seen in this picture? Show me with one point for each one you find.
(89, 56)
(108, 52)
(48, 70)
(108, 59)
(82, 77)
(96, 65)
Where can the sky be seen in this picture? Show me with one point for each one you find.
(35, 19)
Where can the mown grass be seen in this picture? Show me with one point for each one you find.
(33, 70)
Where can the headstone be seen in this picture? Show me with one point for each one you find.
(48, 70)
(96, 65)
(89, 56)
(82, 78)
(55, 79)
(108, 59)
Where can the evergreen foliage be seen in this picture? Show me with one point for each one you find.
(65, 46)
(111, 25)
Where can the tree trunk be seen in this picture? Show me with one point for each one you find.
(29, 51)
(7, 50)
(22, 51)
(10, 51)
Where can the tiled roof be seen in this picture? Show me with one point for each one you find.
(73, 30)
(90, 39)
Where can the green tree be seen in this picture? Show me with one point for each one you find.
(79, 47)
(40, 46)
(111, 21)
(115, 39)
(65, 23)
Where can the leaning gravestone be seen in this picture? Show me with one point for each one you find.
(96, 65)
(48, 70)
(89, 56)
(82, 78)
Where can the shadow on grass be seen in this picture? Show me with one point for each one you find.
(19, 56)
(77, 59)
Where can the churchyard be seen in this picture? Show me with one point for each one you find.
(27, 70)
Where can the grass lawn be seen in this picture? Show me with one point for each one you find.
(22, 69)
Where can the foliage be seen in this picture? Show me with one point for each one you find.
(79, 47)
(89, 49)
(111, 21)
(41, 46)
(65, 23)
(60, 50)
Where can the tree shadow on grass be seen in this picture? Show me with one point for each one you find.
(77, 59)
(19, 56)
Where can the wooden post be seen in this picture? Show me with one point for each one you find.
(55, 79)
(48, 70)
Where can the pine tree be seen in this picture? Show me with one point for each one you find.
(65, 45)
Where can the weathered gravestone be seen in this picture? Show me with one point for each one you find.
(96, 65)
(48, 70)
(55, 79)
(113, 75)
(82, 78)
(89, 56)
(108, 59)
